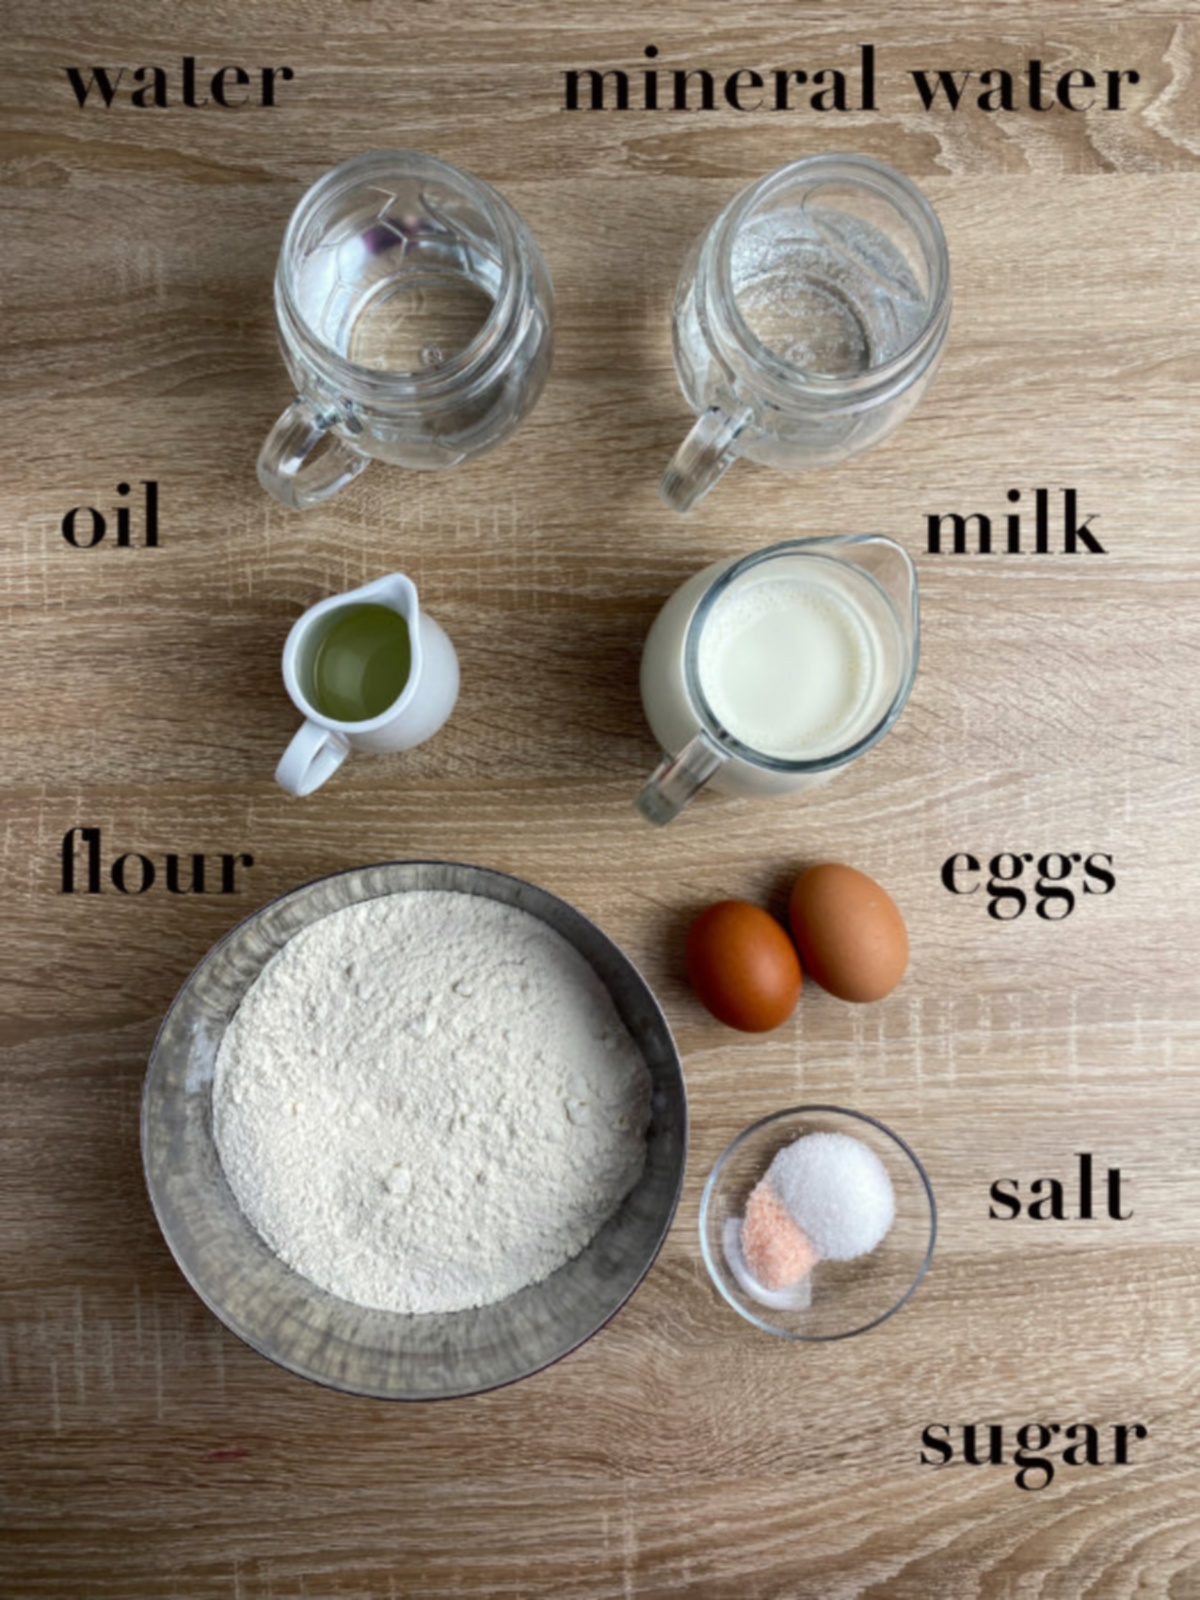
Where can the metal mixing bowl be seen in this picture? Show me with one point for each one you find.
(314, 1333)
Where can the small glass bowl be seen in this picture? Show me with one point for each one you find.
(847, 1297)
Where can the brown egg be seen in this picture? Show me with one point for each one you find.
(851, 937)
(743, 966)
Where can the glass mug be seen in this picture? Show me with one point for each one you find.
(809, 320)
(415, 314)
(764, 675)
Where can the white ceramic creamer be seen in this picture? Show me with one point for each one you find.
(422, 705)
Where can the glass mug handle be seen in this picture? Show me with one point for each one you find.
(705, 455)
(677, 779)
(281, 461)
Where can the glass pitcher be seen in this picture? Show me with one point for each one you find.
(809, 320)
(764, 675)
(415, 317)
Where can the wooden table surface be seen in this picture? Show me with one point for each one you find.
(144, 1452)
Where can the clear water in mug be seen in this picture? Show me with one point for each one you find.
(823, 288)
(401, 283)
(826, 290)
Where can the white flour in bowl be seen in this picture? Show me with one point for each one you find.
(427, 1101)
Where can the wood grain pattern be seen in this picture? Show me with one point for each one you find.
(146, 1455)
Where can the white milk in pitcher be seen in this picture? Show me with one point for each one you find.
(797, 659)
(786, 665)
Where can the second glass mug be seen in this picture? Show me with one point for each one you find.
(809, 320)
(765, 675)
(415, 318)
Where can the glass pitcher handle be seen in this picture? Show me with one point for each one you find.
(677, 779)
(281, 461)
(705, 455)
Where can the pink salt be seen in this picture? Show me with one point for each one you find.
(777, 1252)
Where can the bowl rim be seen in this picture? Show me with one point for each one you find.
(710, 1186)
(323, 1380)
